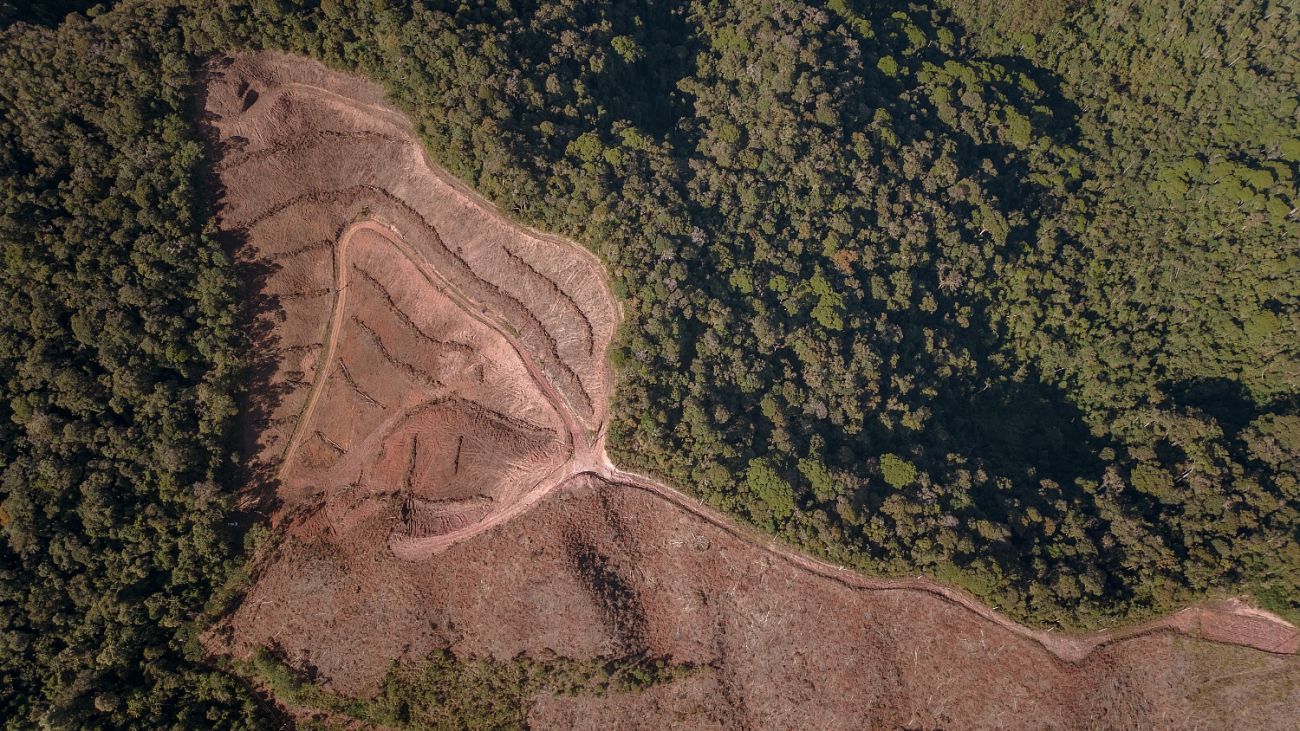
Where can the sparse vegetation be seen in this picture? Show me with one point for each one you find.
(444, 692)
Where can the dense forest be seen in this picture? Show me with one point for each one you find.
(1004, 293)
(975, 303)
(119, 350)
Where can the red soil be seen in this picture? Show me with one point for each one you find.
(430, 420)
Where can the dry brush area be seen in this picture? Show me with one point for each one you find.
(427, 437)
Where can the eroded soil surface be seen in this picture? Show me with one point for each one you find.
(427, 438)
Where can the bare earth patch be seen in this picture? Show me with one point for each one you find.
(428, 437)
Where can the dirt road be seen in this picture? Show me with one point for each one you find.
(587, 456)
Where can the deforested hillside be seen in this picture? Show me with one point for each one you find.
(912, 296)
(1003, 296)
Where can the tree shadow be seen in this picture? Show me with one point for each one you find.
(1223, 399)
(1022, 428)
(257, 398)
(620, 603)
(44, 12)
(643, 88)
(645, 56)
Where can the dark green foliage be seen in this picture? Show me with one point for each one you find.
(117, 354)
(1003, 293)
(847, 232)
(1168, 312)
(443, 692)
(44, 12)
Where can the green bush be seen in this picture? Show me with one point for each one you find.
(898, 472)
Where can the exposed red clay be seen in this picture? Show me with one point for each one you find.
(431, 420)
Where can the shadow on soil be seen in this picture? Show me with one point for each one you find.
(619, 601)
(253, 479)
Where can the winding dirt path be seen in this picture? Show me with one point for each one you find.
(1071, 647)
(587, 455)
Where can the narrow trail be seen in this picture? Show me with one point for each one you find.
(1070, 647)
(325, 361)
(587, 455)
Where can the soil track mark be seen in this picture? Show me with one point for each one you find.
(410, 371)
(311, 248)
(404, 318)
(1277, 637)
(307, 141)
(356, 388)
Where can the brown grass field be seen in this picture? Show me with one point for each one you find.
(426, 436)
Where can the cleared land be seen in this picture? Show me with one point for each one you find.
(428, 439)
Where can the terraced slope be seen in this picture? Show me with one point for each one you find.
(428, 363)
